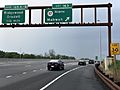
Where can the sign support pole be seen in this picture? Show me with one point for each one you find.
(109, 28)
(42, 16)
(81, 15)
(115, 69)
(29, 16)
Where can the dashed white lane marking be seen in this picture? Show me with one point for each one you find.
(70, 64)
(43, 88)
(41, 69)
(34, 70)
(28, 66)
(24, 73)
(9, 76)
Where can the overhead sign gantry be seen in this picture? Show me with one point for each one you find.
(59, 15)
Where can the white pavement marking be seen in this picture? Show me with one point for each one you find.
(28, 66)
(24, 73)
(9, 76)
(70, 64)
(43, 88)
(34, 70)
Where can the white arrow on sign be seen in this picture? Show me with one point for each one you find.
(67, 18)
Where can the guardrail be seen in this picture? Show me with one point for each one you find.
(107, 81)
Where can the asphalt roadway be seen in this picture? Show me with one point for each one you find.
(33, 75)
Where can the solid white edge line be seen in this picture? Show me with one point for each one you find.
(58, 78)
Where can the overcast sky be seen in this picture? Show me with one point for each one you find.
(74, 41)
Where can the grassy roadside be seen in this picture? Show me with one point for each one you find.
(113, 71)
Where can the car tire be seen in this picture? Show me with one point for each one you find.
(49, 69)
(59, 68)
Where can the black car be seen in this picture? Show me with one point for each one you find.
(81, 62)
(91, 61)
(55, 65)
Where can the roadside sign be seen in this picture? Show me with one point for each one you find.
(16, 7)
(115, 48)
(58, 15)
(13, 16)
(96, 57)
(64, 6)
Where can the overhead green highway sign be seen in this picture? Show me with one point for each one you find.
(67, 5)
(58, 15)
(13, 16)
(22, 7)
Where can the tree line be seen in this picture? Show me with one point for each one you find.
(50, 55)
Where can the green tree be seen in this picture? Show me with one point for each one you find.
(2, 54)
(29, 56)
(12, 55)
(52, 53)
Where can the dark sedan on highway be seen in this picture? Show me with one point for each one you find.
(55, 65)
(91, 61)
(81, 62)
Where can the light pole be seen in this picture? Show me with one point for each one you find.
(100, 45)
(20, 53)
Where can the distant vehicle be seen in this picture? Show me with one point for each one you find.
(91, 61)
(55, 65)
(81, 62)
(97, 62)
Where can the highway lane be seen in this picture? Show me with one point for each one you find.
(32, 75)
(16, 70)
(82, 78)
